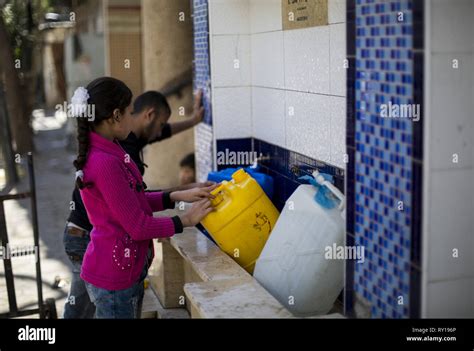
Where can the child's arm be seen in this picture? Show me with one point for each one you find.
(159, 201)
(189, 186)
(125, 207)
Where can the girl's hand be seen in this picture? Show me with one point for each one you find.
(194, 194)
(196, 213)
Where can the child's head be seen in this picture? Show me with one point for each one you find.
(111, 100)
(187, 174)
(151, 111)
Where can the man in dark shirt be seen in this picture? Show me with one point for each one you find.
(151, 114)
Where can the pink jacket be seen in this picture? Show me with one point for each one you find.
(121, 214)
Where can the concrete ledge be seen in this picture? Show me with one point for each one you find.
(205, 259)
(191, 270)
(233, 298)
(153, 309)
(166, 275)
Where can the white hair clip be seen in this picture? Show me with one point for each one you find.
(79, 101)
(80, 174)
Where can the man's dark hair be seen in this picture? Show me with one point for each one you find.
(188, 161)
(152, 99)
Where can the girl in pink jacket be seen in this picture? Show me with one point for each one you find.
(121, 212)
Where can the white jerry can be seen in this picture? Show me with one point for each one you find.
(292, 265)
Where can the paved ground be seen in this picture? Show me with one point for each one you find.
(54, 179)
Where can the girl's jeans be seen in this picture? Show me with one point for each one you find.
(118, 304)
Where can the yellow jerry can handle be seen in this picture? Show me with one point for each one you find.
(219, 195)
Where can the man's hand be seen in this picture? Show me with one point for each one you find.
(198, 110)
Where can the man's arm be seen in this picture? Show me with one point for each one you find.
(198, 115)
(178, 127)
(171, 129)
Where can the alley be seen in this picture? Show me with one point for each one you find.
(54, 174)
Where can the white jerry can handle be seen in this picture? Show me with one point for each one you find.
(320, 180)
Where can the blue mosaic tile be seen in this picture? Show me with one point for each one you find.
(382, 167)
(202, 66)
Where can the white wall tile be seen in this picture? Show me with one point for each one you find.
(307, 59)
(231, 60)
(451, 210)
(232, 112)
(268, 115)
(338, 131)
(452, 125)
(450, 299)
(303, 60)
(265, 16)
(267, 59)
(452, 25)
(308, 130)
(449, 129)
(229, 16)
(337, 11)
(338, 72)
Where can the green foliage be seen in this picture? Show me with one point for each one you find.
(22, 24)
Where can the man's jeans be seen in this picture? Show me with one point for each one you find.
(118, 304)
(78, 303)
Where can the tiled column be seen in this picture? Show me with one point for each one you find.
(384, 185)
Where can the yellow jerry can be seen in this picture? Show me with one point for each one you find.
(242, 220)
